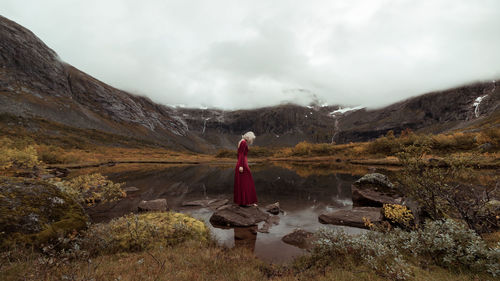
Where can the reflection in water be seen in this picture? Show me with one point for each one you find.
(245, 237)
(302, 197)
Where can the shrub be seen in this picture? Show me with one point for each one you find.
(142, 232)
(226, 153)
(398, 215)
(448, 191)
(444, 243)
(14, 157)
(92, 189)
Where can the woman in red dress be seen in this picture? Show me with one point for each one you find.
(244, 187)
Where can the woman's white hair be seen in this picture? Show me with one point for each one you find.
(249, 136)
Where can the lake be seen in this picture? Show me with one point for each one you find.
(303, 192)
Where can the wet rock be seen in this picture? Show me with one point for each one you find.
(375, 179)
(234, 215)
(273, 208)
(353, 217)
(153, 205)
(374, 190)
(272, 220)
(36, 212)
(300, 238)
(131, 189)
(211, 203)
(373, 198)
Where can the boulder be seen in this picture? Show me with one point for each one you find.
(273, 208)
(153, 205)
(375, 179)
(300, 238)
(373, 198)
(234, 215)
(36, 212)
(353, 217)
(374, 190)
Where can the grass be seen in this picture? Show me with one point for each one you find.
(192, 261)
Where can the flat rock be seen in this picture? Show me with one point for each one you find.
(300, 238)
(153, 205)
(212, 203)
(273, 208)
(373, 197)
(131, 189)
(353, 217)
(234, 215)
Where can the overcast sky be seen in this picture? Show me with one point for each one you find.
(240, 54)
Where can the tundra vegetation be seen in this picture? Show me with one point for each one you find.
(457, 238)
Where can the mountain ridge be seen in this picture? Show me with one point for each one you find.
(34, 82)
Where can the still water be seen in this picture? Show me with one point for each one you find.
(303, 192)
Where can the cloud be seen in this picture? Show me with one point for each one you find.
(241, 54)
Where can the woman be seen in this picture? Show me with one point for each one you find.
(244, 187)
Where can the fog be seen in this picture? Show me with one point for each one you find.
(243, 54)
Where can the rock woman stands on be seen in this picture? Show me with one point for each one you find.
(244, 187)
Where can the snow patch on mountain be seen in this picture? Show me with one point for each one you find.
(345, 109)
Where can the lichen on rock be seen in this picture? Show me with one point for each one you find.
(34, 212)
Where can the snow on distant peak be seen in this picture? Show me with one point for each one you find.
(345, 109)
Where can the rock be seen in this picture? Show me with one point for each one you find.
(353, 217)
(374, 190)
(153, 205)
(300, 238)
(36, 212)
(373, 198)
(234, 215)
(273, 208)
(375, 179)
(486, 147)
(272, 220)
(131, 189)
(211, 203)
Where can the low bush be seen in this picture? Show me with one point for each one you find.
(92, 189)
(392, 254)
(12, 156)
(142, 232)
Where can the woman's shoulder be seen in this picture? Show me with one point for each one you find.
(242, 142)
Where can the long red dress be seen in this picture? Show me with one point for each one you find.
(244, 187)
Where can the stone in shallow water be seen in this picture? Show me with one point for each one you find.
(131, 189)
(212, 203)
(234, 215)
(273, 208)
(270, 221)
(153, 205)
(300, 238)
(353, 217)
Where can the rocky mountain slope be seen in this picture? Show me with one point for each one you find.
(34, 82)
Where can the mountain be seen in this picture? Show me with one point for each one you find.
(36, 84)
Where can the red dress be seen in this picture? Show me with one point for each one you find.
(244, 187)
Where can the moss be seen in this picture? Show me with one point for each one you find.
(35, 212)
(145, 231)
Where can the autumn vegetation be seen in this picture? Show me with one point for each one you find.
(457, 238)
